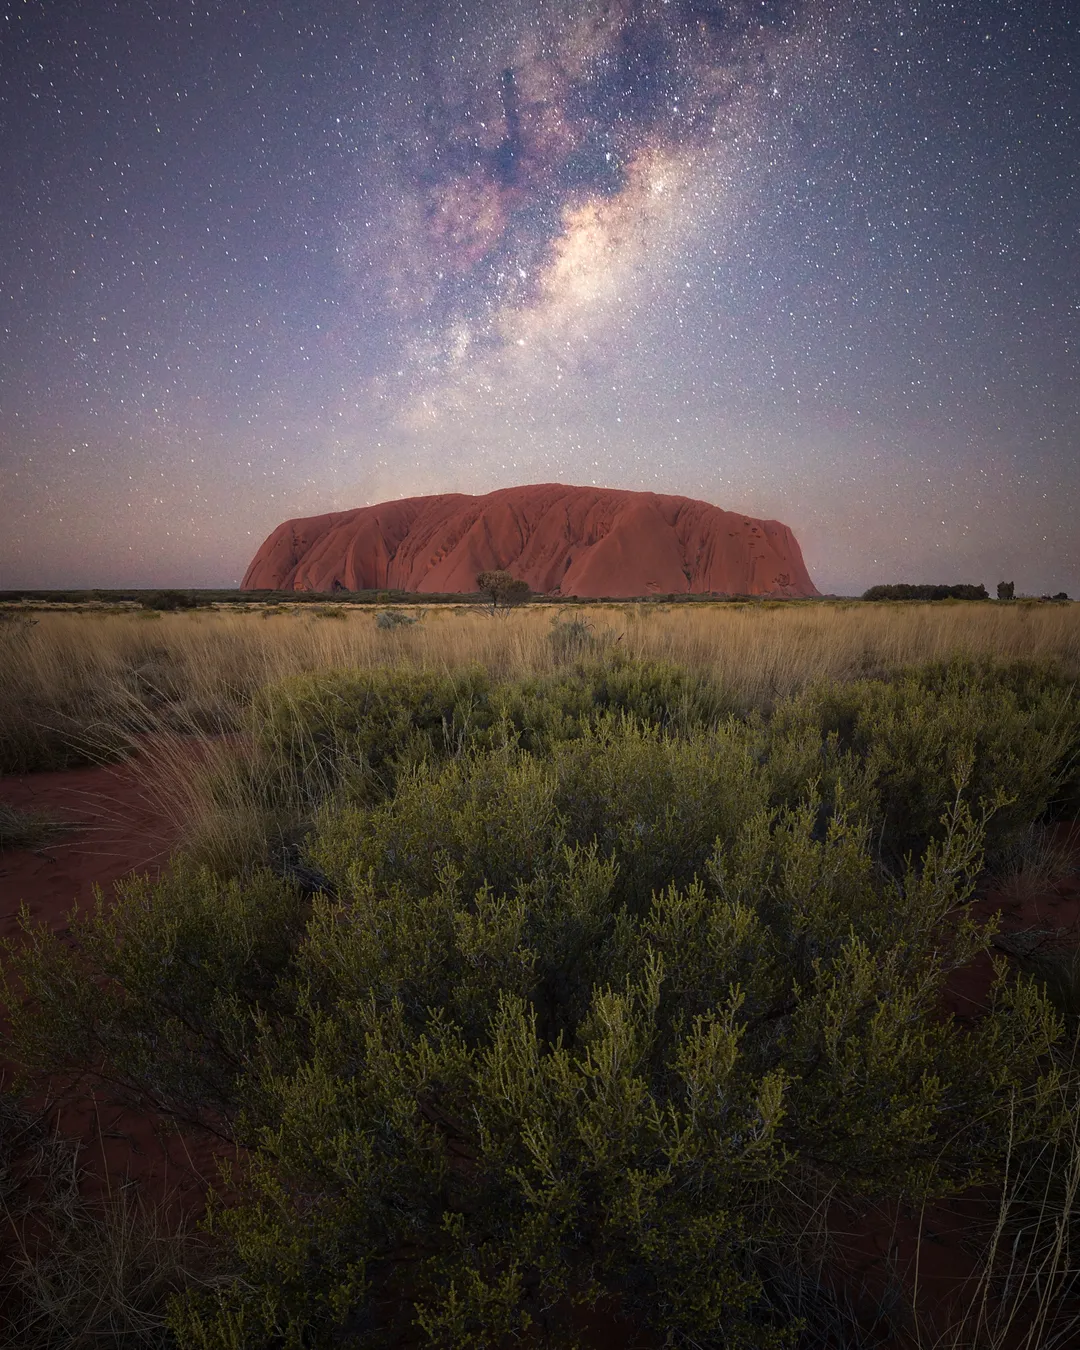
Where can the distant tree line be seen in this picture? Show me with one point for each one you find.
(904, 591)
(1006, 590)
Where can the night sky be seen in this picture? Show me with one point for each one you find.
(807, 259)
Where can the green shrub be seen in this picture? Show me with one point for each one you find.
(171, 600)
(537, 713)
(890, 746)
(543, 1096)
(389, 619)
(571, 639)
(655, 804)
(160, 985)
(359, 729)
(895, 746)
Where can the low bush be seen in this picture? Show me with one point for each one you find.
(571, 638)
(160, 986)
(889, 747)
(356, 731)
(389, 619)
(894, 745)
(172, 600)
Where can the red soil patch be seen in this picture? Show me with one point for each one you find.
(1030, 919)
(116, 826)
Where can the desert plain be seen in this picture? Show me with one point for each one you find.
(392, 974)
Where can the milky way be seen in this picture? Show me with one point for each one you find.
(551, 123)
(811, 259)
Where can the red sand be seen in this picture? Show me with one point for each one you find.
(560, 540)
(118, 827)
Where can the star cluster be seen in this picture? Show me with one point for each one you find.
(811, 259)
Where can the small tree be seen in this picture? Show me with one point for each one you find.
(1006, 590)
(503, 590)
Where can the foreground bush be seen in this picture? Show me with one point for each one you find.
(604, 990)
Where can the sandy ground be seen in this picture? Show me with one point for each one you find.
(116, 827)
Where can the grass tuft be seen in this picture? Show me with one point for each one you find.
(78, 1274)
(27, 829)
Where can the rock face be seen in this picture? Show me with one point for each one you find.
(561, 540)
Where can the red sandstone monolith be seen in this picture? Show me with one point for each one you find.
(562, 540)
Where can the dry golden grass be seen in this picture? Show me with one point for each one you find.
(204, 665)
(1023, 1295)
(85, 684)
(77, 1273)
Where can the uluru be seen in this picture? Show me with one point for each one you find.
(562, 541)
